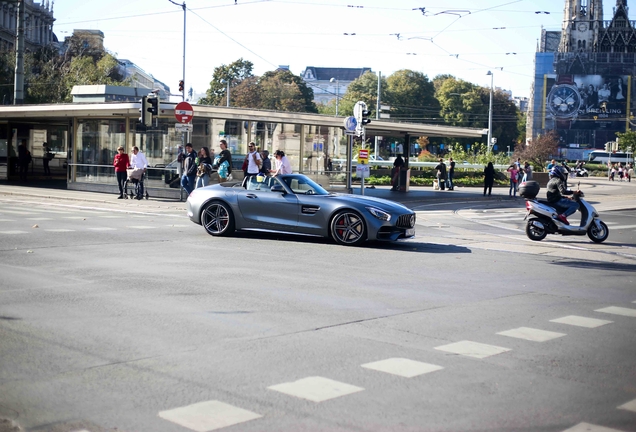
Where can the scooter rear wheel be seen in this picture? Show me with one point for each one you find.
(596, 235)
(534, 232)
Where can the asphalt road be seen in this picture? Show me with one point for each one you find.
(132, 321)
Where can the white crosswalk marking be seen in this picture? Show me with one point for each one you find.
(615, 310)
(587, 427)
(623, 227)
(402, 367)
(629, 406)
(316, 389)
(531, 334)
(208, 416)
(473, 349)
(581, 321)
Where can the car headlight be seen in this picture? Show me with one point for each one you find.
(380, 214)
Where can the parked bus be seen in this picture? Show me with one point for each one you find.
(605, 157)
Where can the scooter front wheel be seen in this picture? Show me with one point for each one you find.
(598, 235)
(535, 230)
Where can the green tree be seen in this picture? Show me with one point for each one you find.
(234, 73)
(626, 141)
(363, 89)
(282, 90)
(84, 70)
(440, 79)
(412, 96)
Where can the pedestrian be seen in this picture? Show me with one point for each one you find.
(121, 162)
(254, 160)
(551, 165)
(204, 168)
(630, 172)
(451, 173)
(46, 159)
(398, 163)
(527, 172)
(282, 163)
(224, 162)
(138, 161)
(24, 159)
(266, 167)
(612, 172)
(489, 178)
(189, 169)
(620, 172)
(512, 169)
(441, 173)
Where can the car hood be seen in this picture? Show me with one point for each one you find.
(380, 203)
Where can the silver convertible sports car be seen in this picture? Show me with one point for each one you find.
(294, 204)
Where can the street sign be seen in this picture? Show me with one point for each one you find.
(183, 127)
(350, 124)
(183, 112)
(362, 171)
(363, 156)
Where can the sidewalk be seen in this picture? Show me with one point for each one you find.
(604, 195)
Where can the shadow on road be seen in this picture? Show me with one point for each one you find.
(591, 265)
(388, 246)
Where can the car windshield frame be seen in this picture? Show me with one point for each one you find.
(288, 180)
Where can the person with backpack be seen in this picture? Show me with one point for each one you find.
(189, 169)
(204, 168)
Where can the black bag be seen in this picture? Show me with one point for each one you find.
(442, 184)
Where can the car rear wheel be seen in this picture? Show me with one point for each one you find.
(217, 219)
(348, 228)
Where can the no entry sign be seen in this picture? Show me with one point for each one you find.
(183, 112)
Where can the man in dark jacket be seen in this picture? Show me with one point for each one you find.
(441, 173)
(556, 193)
(189, 169)
(225, 155)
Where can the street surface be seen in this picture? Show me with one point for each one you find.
(123, 315)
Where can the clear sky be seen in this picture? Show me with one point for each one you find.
(466, 38)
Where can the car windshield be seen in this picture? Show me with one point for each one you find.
(302, 185)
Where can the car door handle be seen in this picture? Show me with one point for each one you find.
(251, 196)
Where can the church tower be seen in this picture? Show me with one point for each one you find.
(582, 23)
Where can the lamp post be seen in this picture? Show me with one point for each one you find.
(183, 6)
(490, 112)
(337, 81)
(227, 91)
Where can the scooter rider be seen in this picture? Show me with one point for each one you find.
(557, 188)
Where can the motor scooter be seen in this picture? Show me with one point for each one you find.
(542, 219)
(582, 172)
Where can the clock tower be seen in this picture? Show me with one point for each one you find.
(582, 23)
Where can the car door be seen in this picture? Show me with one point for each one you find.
(263, 209)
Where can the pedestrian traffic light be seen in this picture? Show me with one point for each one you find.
(181, 86)
(608, 147)
(365, 117)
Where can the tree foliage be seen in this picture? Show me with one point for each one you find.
(412, 96)
(49, 76)
(234, 73)
(626, 141)
(538, 151)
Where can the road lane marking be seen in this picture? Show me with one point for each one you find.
(141, 227)
(39, 219)
(208, 416)
(473, 349)
(316, 389)
(587, 427)
(7, 220)
(74, 217)
(13, 232)
(532, 334)
(102, 229)
(581, 321)
(402, 367)
(622, 227)
(615, 310)
(629, 406)
(60, 230)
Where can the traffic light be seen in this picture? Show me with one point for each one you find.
(153, 103)
(147, 107)
(181, 86)
(142, 111)
(365, 117)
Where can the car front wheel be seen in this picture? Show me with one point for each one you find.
(348, 228)
(217, 219)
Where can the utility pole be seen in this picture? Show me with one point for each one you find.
(183, 6)
(377, 113)
(18, 89)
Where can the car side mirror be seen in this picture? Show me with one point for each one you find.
(277, 188)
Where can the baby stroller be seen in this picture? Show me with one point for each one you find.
(136, 180)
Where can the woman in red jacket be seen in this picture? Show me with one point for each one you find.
(121, 162)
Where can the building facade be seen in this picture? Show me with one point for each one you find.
(583, 83)
(38, 29)
(329, 83)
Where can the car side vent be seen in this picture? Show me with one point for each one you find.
(310, 209)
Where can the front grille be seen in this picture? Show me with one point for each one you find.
(406, 221)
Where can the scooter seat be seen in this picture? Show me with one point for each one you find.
(549, 204)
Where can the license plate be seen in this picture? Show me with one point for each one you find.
(410, 232)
